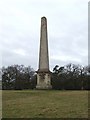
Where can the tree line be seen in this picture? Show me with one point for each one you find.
(17, 77)
(71, 77)
(68, 77)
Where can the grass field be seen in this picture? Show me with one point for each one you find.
(45, 104)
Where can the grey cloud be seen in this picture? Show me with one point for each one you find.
(20, 30)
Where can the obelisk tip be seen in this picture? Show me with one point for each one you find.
(43, 17)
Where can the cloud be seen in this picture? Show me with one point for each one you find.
(65, 58)
(67, 31)
(20, 52)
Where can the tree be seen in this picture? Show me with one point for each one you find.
(17, 77)
(70, 77)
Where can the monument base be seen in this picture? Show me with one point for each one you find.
(39, 87)
(43, 80)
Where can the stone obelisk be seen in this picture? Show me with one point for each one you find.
(43, 73)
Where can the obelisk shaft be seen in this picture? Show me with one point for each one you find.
(43, 55)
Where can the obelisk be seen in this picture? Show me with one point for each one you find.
(43, 73)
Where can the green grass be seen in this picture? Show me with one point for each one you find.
(45, 104)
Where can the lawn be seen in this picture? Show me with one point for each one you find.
(45, 104)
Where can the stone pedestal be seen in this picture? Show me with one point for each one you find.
(43, 80)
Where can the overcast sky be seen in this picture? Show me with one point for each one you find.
(67, 31)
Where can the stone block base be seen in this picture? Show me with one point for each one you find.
(39, 87)
(43, 81)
